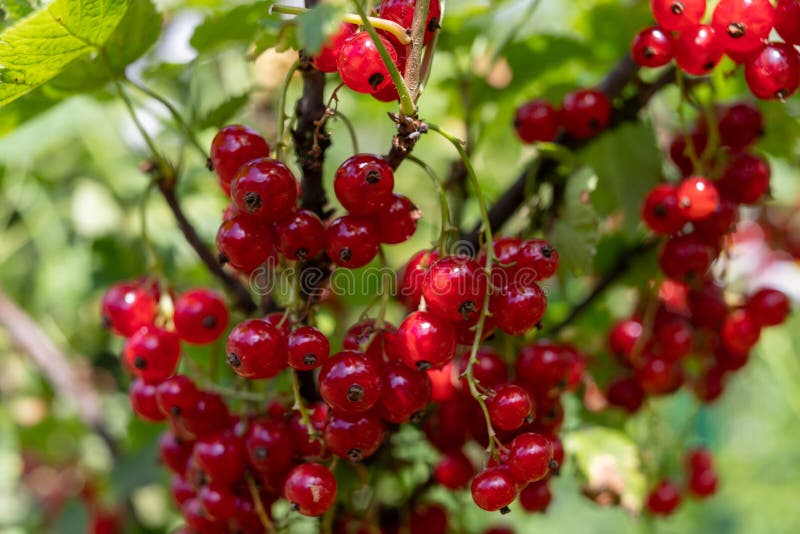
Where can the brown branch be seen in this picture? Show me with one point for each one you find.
(66, 380)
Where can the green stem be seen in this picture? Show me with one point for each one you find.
(282, 109)
(300, 406)
(350, 129)
(444, 206)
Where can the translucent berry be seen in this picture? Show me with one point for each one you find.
(127, 307)
(360, 65)
(494, 489)
(685, 257)
(398, 221)
(152, 353)
(697, 50)
(740, 126)
(741, 25)
(664, 499)
(402, 12)
(510, 407)
(144, 401)
(406, 393)
(174, 452)
(454, 470)
(787, 20)
(244, 243)
(365, 336)
(517, 310)
(268, 447)
(308, 348)
(177, 395)
(221, 457)
(425, 341)
(719, 223)
(409, 290)
(201, 316)
(529, 457)
(354, 436)
(232, 147)
(536, 121)
(652, 47)
(740, 331)
(769, 307)
(774, 72)
(305, 445)
(697, 197)
(678, 15)
(265, 189)
(350, 382)
(679, 150)
(310, 488)
(428, 519)
(585, 113)
(625, 393)
(301, 236)
(490, 371)
(217, 501)
(746, 179)
(662, 211)
(535, 497)
(325, 60)
(659, 376)
(674, 338)
(364, 184)
(703, 484)
(624, 336)
(537, 258)
(454, 288)
(256, 349)
(352, 241)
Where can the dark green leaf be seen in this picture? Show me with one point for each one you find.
(576, 232)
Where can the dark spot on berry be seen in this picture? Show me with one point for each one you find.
(594, 124)
(355, 455)
(309, 360)
(423, 365)
(529, 420)
(709, 66)
(261, 453)
(547, 251)
(417, 417)
(677, 8)
(252, 201)
(467, 308)
(433, 25)
(301, 253)
(223, 259)
(139, 362)
(105, 322)
(736, 29)
(376, 80)
(553, 465)
(233, 360)
(209, 321)
(209, 164)
(345, 254)
(175, 411)
(660, 211)
(505, 510)
(355, 393)
(648, 52)
(294, 506)
(373, 177)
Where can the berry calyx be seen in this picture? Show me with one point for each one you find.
(265, 189)
(678, 15)
(454, 288)
(308, 348)
(353, 436)
(360, 65)
(741, 25)
(301, 236)
(406, 393)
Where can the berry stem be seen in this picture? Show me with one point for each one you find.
(350, 129)
(280, 145)
(153, 261)
(418, 28)
(444, 206)
(262, 513)
(352, 18)
(691, 151)
(300, 406)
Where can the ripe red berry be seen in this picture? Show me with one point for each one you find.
(177, 395)
(366, 337)
(625, 393)
(352, 241)
(685, 257)
(585, 113)
(536, 121)
(232, 147)
(787, 20)
(428, 519)
(454, 288)
(409, 290)
(308, 348)
(510, 407)
(537, 260)
(174, 452)
(181, 490)
(402, 12)
(301, 236)
(244, 243)
(198, 519)
(144, 401)
(697, 197)
(746, 179)
(517, 310)
(256, 349)
(769, 307)
(268, 447)
(663, 499)
(740, 331)
(679, 153)
(425, 341)
(398, 221)
(529, 457)
(549, 369)
(662, 211)
(697, 50)
(698, 460)
(310, 488)
(536, 497)
(353, 436)
(659, 376)
(325, 60)
(350, 382)
(406, 393)
(454, 470)
(364, 184)
(703, 484)
(152, 353)
(674, 338)
(265, 189)
(490, 371)
(209, 416)
(719, 223)
(774, 72)
(221, 457)
(740, 126)
(624, 336)
(360, 65)
(304, 444)
(201, 316)
(217, 501)
(741, 25)
(126, 307)
(678, 15)
(652, 47)
(494, 489)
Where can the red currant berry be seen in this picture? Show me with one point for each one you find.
(708, 306)
(217, 501)
(662, 211)
(402, 12)
(740, 126)
(787, 20)
(529, 457)
(510, 407)
(264, 188)
(268, 447)
(144, 401)
(280, 321)
(428, 519)
(425, 341)
(547, 368)
(354, 436)
(301, 236)
(679, 153)
(244, 243)
(624, 336)
(703, 484)
(585, 113)
(490, 371)
(174, 452)
(740, 331)
(535, 497)
(201, 316)
(308, 348)
(773, 73)
(406, 393)
(685, 257)
(181, 490)
(360, 65)
(310, 488)
(719, 223)
(454, 288)
(350, 382)
(697, 50)
(652, 47)
(256, 349)
(697, 197)
(127, 307)
(625, 393)
(306, 445)
(177, 395)
(664, 499)
(447, 427)
(536, 121)
(746, 179)
(152, 353)
(198, 519)
(769, 307)
(367, 338)
(698, 460)
(209, 416)
(674, 337)
(352, 241)
(454, 470)
(536, 260)
(232, 147)
(325, 60)
(678, 15)
(494, 489)
(741, 25)
(398, 222)
(517, 310)
(221, 457)
(364, 184)
(659, 376)
(409, 290)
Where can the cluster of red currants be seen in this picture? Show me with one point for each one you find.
(354, 55)
(584, 113)
(701, 483)
(739, 29)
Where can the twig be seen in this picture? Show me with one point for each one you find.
(419, 27)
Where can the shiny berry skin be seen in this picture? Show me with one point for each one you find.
(774, 72)
(685, 257)
(787, 20)
(425, 341)
(181, 490)
(350, 382)
(454, 288)
(703, 484)
(746, 179)
(517, 310)
(402, 12)
(536, 121)
(308, 348)
(493, 489)
(364, 184)
(325, 60)
(301, 236)
(679, 153)
(663, 499)
(454, 470)
(740, 331)
(198, 519)
(244, 243)
(310, 488)
(662, 212)
(406, 393)
(719, 223)
(409, 289)
(209, 416)
(360, 65)
(144, 401)
(127, 307)
(698, 460)
(674, 337)
(174, 452)
(221, 457)
(652, 47)
(537, 258)
(490, 371)
(678, 15)
(741, 25)
(351, 241)
(152, 353)
(177, 395)
(740, 126)
(659, 376)
(535, 497)
(529, 457)
(549, 369)
(201, 316)
(256, 349)
(697, 50)
(367, 338)
(218, 501)
(624, 336)
(625, 393)
(232, 147)
(268, 447)
(306, 446)
(697, 197)
(353, 436)
(398, 221)
(769, 307)
(585, 113)
(265, 189)
(510, 407)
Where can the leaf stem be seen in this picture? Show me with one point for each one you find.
(444, 206)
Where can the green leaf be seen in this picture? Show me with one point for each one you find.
(238, 25)
(316, 25)
(39, 47)
(628, 164)
(575, 233)
(17, 9)
(24, 109)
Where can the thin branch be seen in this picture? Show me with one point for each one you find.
(419, 27)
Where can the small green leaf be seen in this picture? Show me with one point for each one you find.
(316, 25)
(238, 25)
(17, 9)
(575, 233)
